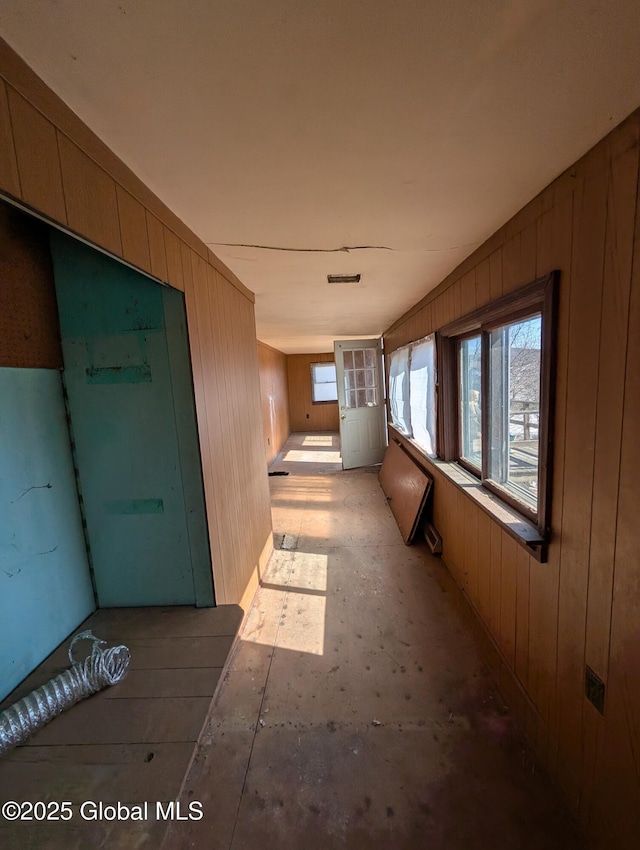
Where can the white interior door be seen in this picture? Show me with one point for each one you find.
(363, 427)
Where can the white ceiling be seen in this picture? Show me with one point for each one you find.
(404, 130)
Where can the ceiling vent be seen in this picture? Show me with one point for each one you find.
(343, 278)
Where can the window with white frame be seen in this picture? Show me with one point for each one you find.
(324, 386)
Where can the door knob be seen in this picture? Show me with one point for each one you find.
(344, 416)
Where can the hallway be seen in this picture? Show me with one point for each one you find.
(356, 711)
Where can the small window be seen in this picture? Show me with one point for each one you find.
(323, 383)
(497, 366)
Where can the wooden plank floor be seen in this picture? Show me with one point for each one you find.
(132, 742)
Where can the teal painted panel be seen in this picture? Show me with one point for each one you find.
(127, 447)
(135, 506)
(119, 374)
(45, 583)
(175, 319)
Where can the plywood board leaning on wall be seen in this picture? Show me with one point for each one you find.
(407, 489)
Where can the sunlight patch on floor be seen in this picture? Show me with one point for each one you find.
(296, 456)
(311, 440)
(302, 620)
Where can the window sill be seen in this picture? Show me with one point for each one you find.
(522, 530)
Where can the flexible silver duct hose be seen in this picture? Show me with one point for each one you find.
(101, 668)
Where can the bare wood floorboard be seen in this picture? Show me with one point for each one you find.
(132, 742)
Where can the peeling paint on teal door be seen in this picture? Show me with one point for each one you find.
(141, 489)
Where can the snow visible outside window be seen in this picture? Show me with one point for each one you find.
(422, 393)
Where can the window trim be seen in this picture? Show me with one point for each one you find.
(314, 382)
(464, 462)
(541, 296)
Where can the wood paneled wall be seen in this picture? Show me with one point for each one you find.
(275, 399)
(582, 607)
(52, 162)
(29, 331)
(303, 413)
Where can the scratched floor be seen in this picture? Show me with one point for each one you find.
(356, 710)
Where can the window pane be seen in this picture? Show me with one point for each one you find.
(361, 398)
(470, 401)
(514, 410)
(399, 389)
(348, 359)
(323, 382)
(324, 373)
(422, 394)
(326, 392)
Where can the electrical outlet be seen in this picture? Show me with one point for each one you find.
(594, 689)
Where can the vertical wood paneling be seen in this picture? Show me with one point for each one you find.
(511, 275)
(621, 210)
(616, 799)
(461, 574)
(470, 519)
(495, 274)
(36, 148)
(174, 259)
(484, 566)
(554, 250)
(90, 197)
(584, 347)
(200, 335)
(9, 180)
(304, 415)
(496, 579)
(455, 291)
(483, 282)
(157, 252)
(133, 229)
(221, 384)
(274, 397)
(522, 565)
(468, 292)
(528, 253)
(508, 594)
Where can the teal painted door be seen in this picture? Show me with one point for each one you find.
(136, 453)
(45, 583)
